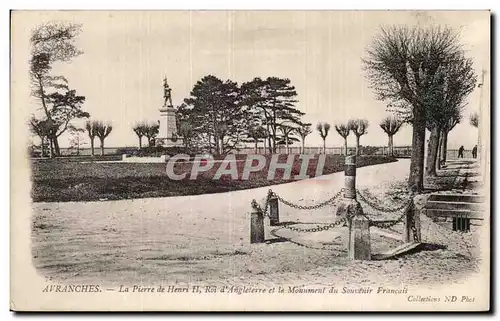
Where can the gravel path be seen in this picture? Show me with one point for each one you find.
(205, 238)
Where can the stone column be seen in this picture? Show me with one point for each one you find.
(256, 226)
(274, 214)
(359, 247)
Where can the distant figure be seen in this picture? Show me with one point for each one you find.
(474, 152)
(461, 152)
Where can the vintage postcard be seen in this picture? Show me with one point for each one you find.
(250, 160)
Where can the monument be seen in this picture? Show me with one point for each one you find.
(167, 135)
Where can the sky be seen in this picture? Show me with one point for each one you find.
(128, 53)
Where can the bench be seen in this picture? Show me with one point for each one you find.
(462, 208)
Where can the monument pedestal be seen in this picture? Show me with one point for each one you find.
(167, 135)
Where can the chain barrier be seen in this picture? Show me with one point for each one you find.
(365, 200)
(310, 207)
(391, 223)
(290, 226)
(386, 224)
(314, 229)
(324, 247)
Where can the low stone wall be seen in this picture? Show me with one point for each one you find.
(135, 159)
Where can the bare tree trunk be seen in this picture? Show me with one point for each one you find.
(102, 146)
(392, 145)
(430, 166)
(416, 178)
(389, 144)
(345, 146)
(286, 144)
(437, 164)
(439, 148)
(444, 146)
(92, 146)
(51, 147)
(140, 142)
(357, 145)
(255, 148)
(303, 146)
(324, 145)
(57, 150)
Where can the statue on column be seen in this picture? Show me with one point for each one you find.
(167, 135)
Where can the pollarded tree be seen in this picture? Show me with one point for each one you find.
(447, 127)
(343, 130)
(102, 131)
(151, 131)
(140, 130)
(391, 125)
(445, 100)
(303, 132)
(359, 128)
(401, 66)
(91, 127)
(323, 129)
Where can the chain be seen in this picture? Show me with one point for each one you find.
(324, 248)
(264, 210)
(311, 207)
(381, 209)
(385, 225)
(314, 229)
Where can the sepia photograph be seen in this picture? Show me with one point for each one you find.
(250, 160)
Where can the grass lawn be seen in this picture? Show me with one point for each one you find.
(62, 181)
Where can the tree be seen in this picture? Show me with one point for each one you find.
(323, 129)
(359, 128)
(286, 135)
(186, 130)
(391, 125)
(41, 128)
(273, 99)
(102, 131)
(76, 139)
(445, 101)
(213, 109)
(151, 131)
(447, 127)
(50, 43)
(256, 134)
(303, 132)
(474, 119)
(65, 108)
(140, 130)
(91, 127)
(343, 130)
(401, 65)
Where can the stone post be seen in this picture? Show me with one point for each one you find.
(256, 226)
(412, 235)
(359, 247)
(274, 214)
